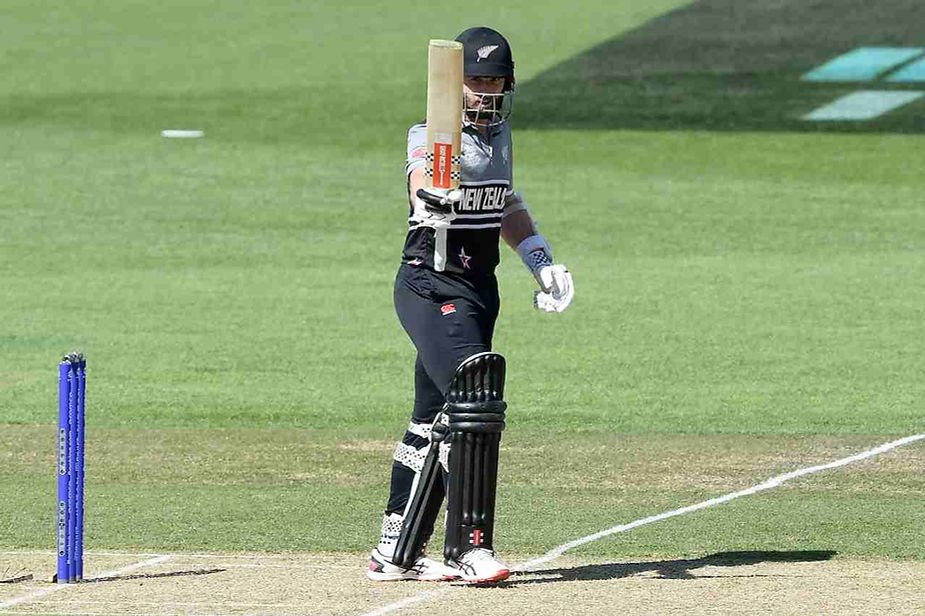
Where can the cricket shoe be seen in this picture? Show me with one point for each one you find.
(423, 570)
(480, 566)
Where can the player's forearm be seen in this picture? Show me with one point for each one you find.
(517, 227)
(415, 181)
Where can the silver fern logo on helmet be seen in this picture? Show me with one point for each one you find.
(484, 52)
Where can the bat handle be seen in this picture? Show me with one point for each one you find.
(435, 203)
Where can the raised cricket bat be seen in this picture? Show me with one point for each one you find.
(444, 113)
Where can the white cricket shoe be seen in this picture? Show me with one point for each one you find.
(424, 570)
(480, 566)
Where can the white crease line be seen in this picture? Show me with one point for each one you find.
(73, 613)
(555, 553)
(138, 604)
(284, 561)
(293, 565)
(177, 561)
(418, 598)
(151, 554)
(86, 553)
(293, 556)
(41, 592)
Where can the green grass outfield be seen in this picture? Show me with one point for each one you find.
(748, 302)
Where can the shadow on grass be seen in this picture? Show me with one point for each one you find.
(673, 569)
(725, 65)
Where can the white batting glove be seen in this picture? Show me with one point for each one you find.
(558, 289)
(434, 207)
(556, 286)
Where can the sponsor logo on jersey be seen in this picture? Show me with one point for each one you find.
(446, 309)
(482, 199)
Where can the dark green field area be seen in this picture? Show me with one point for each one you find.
(726, 65)
(748, 301)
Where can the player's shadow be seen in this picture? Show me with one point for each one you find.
(680, 569)
(151, 576)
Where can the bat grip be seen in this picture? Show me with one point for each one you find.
(435, 203)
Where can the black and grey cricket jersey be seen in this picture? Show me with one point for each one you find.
(486, 179)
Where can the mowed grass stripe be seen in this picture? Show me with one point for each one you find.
(299, 490)
(709, 276)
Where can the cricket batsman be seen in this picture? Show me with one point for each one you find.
(446, 297)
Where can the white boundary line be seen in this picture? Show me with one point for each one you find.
(41, 592)
(556, 552)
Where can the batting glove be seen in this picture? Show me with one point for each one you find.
(558, 289)
(433, 207)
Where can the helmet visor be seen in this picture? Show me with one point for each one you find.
(484, 109)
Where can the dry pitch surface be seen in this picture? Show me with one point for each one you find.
(296, 584)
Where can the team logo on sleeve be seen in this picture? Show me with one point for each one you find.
(447, 309)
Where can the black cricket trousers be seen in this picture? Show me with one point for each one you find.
(448, 318)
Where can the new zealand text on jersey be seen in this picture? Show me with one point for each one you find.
(482, 198)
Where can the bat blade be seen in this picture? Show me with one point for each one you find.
(444, 113)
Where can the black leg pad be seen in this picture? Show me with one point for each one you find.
(475, 408)
(422, 510)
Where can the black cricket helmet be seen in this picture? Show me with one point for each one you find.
(486, 53)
